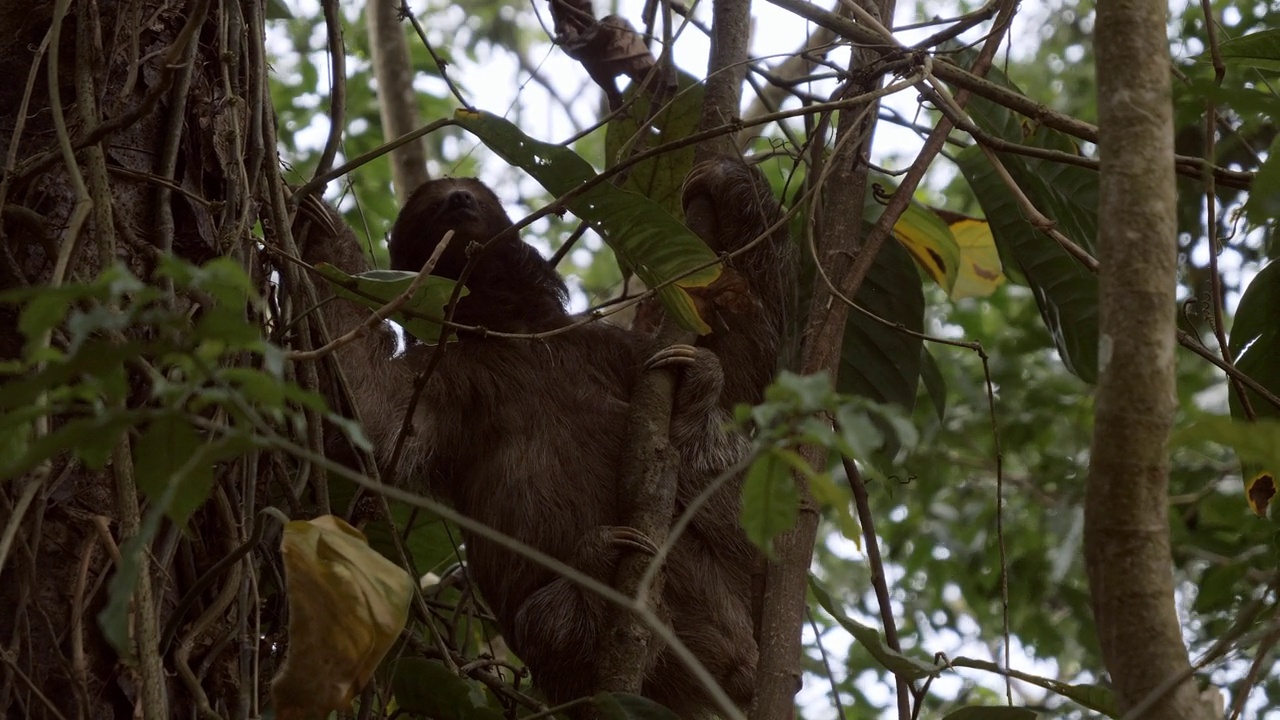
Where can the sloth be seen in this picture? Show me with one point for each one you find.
(526, 435)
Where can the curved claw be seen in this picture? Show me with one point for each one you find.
(632, 539)
(679, 355)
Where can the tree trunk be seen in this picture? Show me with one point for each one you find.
(164, 105)
(1127, 551)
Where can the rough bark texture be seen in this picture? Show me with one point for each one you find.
(166, 127)
(1126, 512)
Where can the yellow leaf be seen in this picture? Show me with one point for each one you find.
(930, 243)
(347, 605)
(980, 271)
(1258, 492)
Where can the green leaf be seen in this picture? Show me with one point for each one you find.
(645, 237)
(420, 316)
(91, 439)
(1257, 318)
(1259, 50)
(905, 667)
(659, 178)
(96, 358)
(1066, 292)
(934, 384)
(428, 688)
(878, 361)
(830, 494)
(1263, 205)
(114, 619)
(625, 706)
(991, 713)
(1256, 442)
(168, 463)
(769, 498)
(1094, 697)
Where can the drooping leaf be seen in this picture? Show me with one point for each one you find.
(904, 666)
(1255, 345)
(347, 605)
(646, 238)
(1066, 292)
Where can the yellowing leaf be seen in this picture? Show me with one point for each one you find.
(980, 271)
(347, 605)
(925, 236)
(930, 243)
(1258, 491)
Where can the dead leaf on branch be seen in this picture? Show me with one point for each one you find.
(347, 606)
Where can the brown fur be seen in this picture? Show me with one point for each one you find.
(526, 435)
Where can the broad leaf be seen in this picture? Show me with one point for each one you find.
(878, 361)
(347, 605)
(661, 177)
(376, 288)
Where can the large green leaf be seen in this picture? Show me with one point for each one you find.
(646, 238)
(878, 361)
(661, 177)
(1065, 291)
(1259, 50)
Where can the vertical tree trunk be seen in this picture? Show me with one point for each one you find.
(159, 101)
(1127, 551)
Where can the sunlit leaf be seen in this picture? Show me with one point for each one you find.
(926, 237)
(980, 269)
